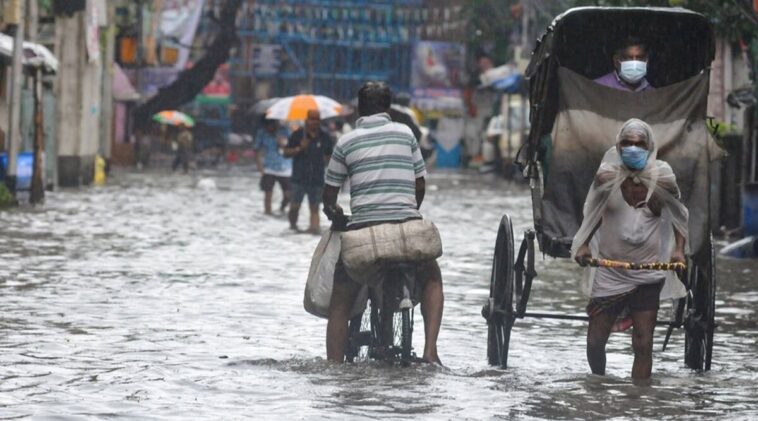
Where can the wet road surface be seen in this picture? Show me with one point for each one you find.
(152, 298)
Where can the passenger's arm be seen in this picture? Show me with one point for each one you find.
(420, 191)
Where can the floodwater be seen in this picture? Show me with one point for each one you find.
(154, 299)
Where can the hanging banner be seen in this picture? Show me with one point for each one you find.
(178, 25)
(93, 29)
(436, 71)
(266, 59)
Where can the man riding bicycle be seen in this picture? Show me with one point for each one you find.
(383, 164)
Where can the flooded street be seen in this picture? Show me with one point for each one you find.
(154, 299)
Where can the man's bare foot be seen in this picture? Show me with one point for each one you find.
(314, 230)
(437, 362)
(432, 359)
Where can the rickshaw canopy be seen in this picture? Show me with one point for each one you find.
(574, 120)
(680, 42)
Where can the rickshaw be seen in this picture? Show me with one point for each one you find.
(560, 157)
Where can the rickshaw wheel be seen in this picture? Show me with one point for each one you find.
(701, 309)
(501, 317)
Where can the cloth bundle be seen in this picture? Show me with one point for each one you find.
(366, 249)
(318, 288)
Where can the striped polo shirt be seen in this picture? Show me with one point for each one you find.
(382, 160)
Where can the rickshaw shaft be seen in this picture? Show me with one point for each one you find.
(586, 318)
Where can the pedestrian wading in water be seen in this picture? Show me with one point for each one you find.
(632, 213)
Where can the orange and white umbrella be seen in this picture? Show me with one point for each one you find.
(297, 107)
(174, 118)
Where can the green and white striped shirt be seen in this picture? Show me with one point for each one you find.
(382, 161)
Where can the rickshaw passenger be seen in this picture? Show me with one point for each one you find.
(630, 67)
(631, 192)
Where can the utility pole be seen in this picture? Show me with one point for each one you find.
(17, 79)
(140, 63)
(106, 117)
(32, 21)
(38, 185)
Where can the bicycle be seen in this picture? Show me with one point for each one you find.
(384, 331)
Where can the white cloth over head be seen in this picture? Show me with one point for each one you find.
(660, 181)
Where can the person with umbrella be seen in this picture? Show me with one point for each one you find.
(310, 148)
(184, 139)
(184, 142)
(274, 168)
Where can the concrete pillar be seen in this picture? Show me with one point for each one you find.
(16, 84)
(78, 89)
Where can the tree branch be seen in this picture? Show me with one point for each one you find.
(191, 82)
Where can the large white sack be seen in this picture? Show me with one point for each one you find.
(318, 288)
(411, 241)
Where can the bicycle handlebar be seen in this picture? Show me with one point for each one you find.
(607, 263)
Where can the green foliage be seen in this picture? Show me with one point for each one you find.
(490, 25)
(45, 7)
(730, 18)
(6, 198)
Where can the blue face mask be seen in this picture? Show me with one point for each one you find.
(632, 71)
(634, 157)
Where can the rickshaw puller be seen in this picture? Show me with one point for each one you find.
(632, 195)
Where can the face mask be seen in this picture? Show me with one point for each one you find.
(634, 157)
(632, 71)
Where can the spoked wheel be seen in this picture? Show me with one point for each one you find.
(700, 323)
(353, 330)
(406, 336)
(358, 337)
(499, 311)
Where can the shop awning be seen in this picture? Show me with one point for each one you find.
(123, 90)
(35, 55)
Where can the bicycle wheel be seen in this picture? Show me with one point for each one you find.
(701, 306)
(500, 318)
(376, 344)
(353, 330)
(359, 337)
(407, 336)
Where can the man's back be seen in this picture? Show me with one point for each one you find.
(382, 160)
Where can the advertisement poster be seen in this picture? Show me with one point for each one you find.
(436, 75)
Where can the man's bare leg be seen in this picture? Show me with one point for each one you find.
(344, 293)
(642, 343)
(268, 197)
(285, 200)
(597, 336)
(431, 308)
(315, 223)
(293, 214)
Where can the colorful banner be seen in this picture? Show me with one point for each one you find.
(436, 71)
(219, 86)
(178, 25)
